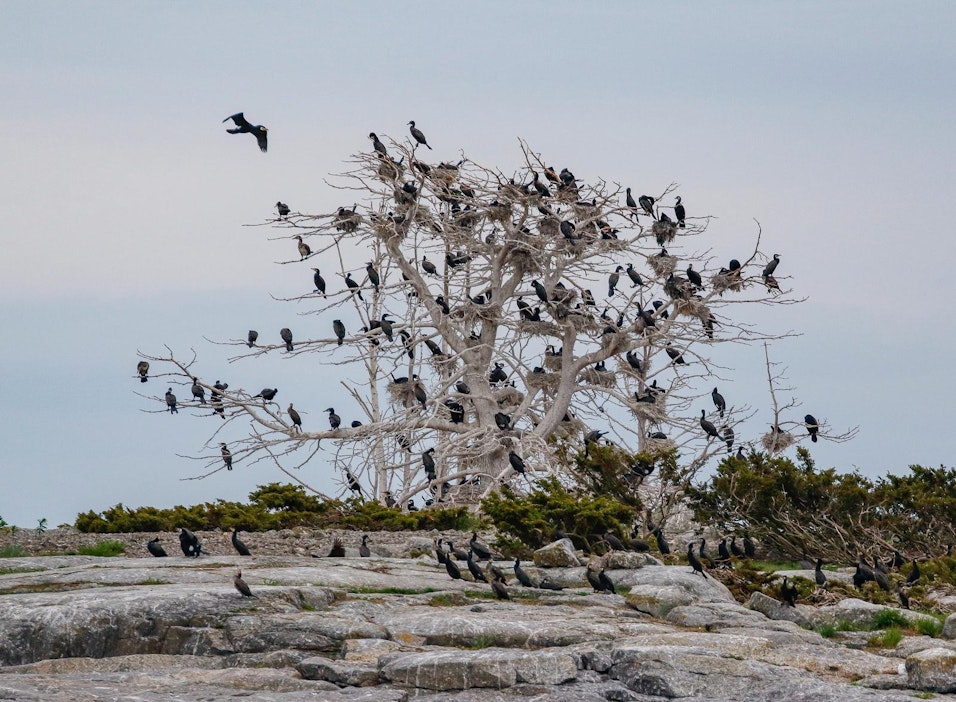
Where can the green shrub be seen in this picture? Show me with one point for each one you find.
(13, 551)
(826, 631)
(929, 627)
(103, 548)
(887, 639)
(886, 618)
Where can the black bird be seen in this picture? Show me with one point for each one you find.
(728, 437)
(788, 593)
(377, 145)
(372, 275)
(694, 561)
(386, 325)
(318, 281)
(458, 553)
(677, 358)
(914, 574)
(613, 279)
(771, 266)
(680, 213)
(881, 579)
(295, 418)
(355, 423)
(633, 361)
(462, 387)
(898, 560)
(353, 483)
(428, 462)
(198, 391)
(567, 230)
(226, 455)
(539, 187)
(267, 394)
(735, 549)
(818, 575)
(694, 277)
(419, 393)
(215, 398)
(335, 421)
(474, 569)
(708, 426)
(240, 584)
(353, 286)
(567, 177)
(719, 402)
(171, 401)
(635, 277)
(452, 568)
(154, 548)
(521, 575)
(339, 329)
(594, 580)
(416, 134)
(606, 582)
(143, 369)
(480, 549)
(243, 126)
(647, 204)
(662, 546)
(812, 427)
(283, 209)
(440, 553)
(703, 553)
(631, 204)
(548, 584)
(252, 337)
(189, 543)
(456, 411)
(517, 463)
(337, 550)
(862, 574)
(443, 304)
(286, 335)
(904, 597)
(615, 543)
(540, 291)
(240, 547)
(497, 374)
(750, 548)
(723, 551)
(498, 586)
(364, 550)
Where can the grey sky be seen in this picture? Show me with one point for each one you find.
(123, 199)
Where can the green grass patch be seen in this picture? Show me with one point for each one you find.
(480, 642)
(103, 548)
(8, 571)
(846, 625)
(929, 627)
(13, 551)
(391, 591)
(886, 639)
(154, 581)
(447, 599)
(887, 618)
(774, 566)
(826, 631)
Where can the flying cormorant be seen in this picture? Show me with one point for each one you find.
(243, 126)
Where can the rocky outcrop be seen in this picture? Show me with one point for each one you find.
(559, 554)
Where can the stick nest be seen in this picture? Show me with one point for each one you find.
(777, 441)
(508, 396)
(727, 280)
(655, 412)
(540, 328)
(544, 381)
(592, 376)
(664, 232)
(662, 265)
(692, 308)
(552, 362)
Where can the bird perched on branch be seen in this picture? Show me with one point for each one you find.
(226, 455)
(377, 145)
(283, 209)
(335, 421)
(635, 277)
(304, 250)
(719, 402)
(171, 401)
(243, 126)
(647, 204)
(267, 394)
(242, 549)
(416, 134)
(372, 275)
(353, 286)
(143, 369)
(198, 391)
(517, 463)
(241, 585)
(680, 213)
(812, 427)
(252, 337)
(318, 281)
(295, 418)
(286, 335)
(339, 329)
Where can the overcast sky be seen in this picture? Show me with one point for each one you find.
(123, 200)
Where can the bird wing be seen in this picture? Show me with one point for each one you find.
(239, 121)
(263, 138)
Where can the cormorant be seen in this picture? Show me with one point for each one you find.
(171, 401)
(339, 329)
(498, 586)
(474, 569)
(680, 213)
(812, 427)
(335, 421)
(189, 543)
(252, 337)
(540, 187)
(154, 548)
(386, 326)
(613, 279)
(304, 250)
(428, 462)
(452, 568)
(862, 574)
(355, 423)
(898, 560)
(593, 580)
(606, 582)
(548, 584)
(704, 553)
(428, 266)
(647, 204)
(771, 266)
(723, 551)
(198, 391)
(443, 304)
(456, 411)
(286, 335)
(440, 553)
(267, 394)
(337, 550)
(503, 421)
(695, 561)
(662, 546)
(295, 418)
(728, 436)
(283, 209)
(904, 596)
(881, 579)
(788, 593)
(521, 575)
(143, 369)
(750, 548)
(353, 286)
(631, 204)
(567, 177)
(318, 281)
(633, 361)
(677, 358)
(480, 549)
(419, 393)
(634, 276)
(226, 455)
(735, 549)
(372, 275)
(567, 230)
(818, 575)
(517, 463)
(615, 543)
(708, 426)
(377, 145)
(462, 387)
(240, 547)
(694, 277)
(914, 574)
(215, 398)
(243, 127)
(240, 584)
(719, 402)
(540, 291)
(740, 453)
(416, 134)
(497, 374)
(364, 551)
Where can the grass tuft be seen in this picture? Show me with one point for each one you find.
(13, 551)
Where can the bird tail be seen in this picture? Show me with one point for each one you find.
(340, 342)
(143, 379)
(250, 344)
(813, 438)
(429, 148)
(288, 346)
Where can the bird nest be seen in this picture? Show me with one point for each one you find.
(443, 363)
(592, 376)
(662, 265)
(565, 295)
(658, 446)
(390, 170)
(499, 212)
(582, 322)
(549, 227)
(727, 280)
(692, 308)
(544, 381)
(508, 396)
(526, 326)
(613, 342)
(523, 260)
(444, 175)
(467, 494)
(467, 219)
(655, 412)
(625, 367)
(566, 430)
(552, 362)
(664, 232)
(776, 441)
(612, 244)
(401, 392)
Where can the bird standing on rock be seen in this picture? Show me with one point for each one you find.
(694, 561)
(241, 585)
(189, 543)
(154, 548)
(238, 545)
